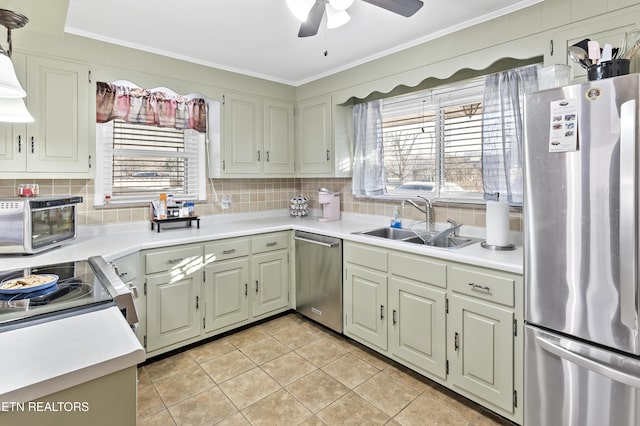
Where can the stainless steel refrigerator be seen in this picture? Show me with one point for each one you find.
(581, 212)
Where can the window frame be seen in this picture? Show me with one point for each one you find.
(104, 170)
(447, 95)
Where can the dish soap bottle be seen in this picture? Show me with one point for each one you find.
(395, 221)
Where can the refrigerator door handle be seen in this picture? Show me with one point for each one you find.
(627, 211)
(588, 363)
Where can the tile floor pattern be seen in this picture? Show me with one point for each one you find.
(288, 371)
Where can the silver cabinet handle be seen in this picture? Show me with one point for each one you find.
(627, 211)
(267, 156)
(272, 244)
(256, 286)
(588, 363)
(231, 251)
(393, 316)
(197, 302)
(174, 261)
(381, 312)
(258, 155)
(456, 341)
(328, 155)
(475, 286)
(19, 143)
(246, 290)
(33, 145)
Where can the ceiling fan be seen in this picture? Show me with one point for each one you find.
(310, 12)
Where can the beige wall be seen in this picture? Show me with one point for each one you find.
(251, 195)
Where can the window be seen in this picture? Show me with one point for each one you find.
(140, 161)
(149, 142)
(432, 142)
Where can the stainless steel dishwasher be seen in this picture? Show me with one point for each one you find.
(319, 278)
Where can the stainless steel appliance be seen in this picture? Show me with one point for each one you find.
(581, 210)
(81, 286)
(32, 225)
(319, 278)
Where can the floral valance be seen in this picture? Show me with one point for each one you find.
(151, 107)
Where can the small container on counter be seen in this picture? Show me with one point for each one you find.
(28, 190)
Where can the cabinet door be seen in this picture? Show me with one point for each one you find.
(278, 137)
(242, 134)
(173, 308)
(226, 293)
(270, 275)
(418, 325)
(481, 350)
(58, 99)
(314, 140)
(13, 147)
(365, 305)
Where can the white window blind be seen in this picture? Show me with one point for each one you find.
(432, 141)
(140, 161)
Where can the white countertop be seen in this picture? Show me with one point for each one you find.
(46, 358)
(117, 240)
(73, 350)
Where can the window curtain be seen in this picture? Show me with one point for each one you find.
(155, 108)
(368, 166)
(503, 132)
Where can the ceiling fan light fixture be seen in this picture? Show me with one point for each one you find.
(300, 8)
(341, 4)
(336, 18)
(13, 110)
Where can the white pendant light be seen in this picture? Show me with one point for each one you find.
(336, 18)
(300, 8)
(341, 4)
(13, 110)
(9, 85)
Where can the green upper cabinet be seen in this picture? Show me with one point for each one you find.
(57, 144)
(242, 134)
(278, 137)
(258, 136)
(314, 139)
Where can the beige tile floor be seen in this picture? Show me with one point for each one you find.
(289, 371)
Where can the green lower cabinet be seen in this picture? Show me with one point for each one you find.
(418, 330)
(226, 293)
(173, 308)
(270, 286)
(365, 306)
(481, 351)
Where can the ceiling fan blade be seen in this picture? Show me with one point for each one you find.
(310, 26)
(401, 7)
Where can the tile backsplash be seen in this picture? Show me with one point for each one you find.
(252, 195)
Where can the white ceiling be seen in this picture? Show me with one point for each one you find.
(259, 37)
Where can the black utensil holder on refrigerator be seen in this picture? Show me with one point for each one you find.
(608, 69)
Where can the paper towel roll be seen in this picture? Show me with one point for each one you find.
(498, 223)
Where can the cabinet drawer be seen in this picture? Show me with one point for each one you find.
(418, 268)
(370, 256)
(165, 260)
(270, 242)
(226, 249)
(492, 286)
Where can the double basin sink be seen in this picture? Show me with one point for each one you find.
(448, 241)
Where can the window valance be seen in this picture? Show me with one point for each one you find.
(151, 107)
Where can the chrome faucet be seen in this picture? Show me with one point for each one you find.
(426, 210)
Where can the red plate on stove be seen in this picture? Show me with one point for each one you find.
(53, 280)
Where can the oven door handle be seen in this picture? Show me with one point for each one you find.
(588, 363)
